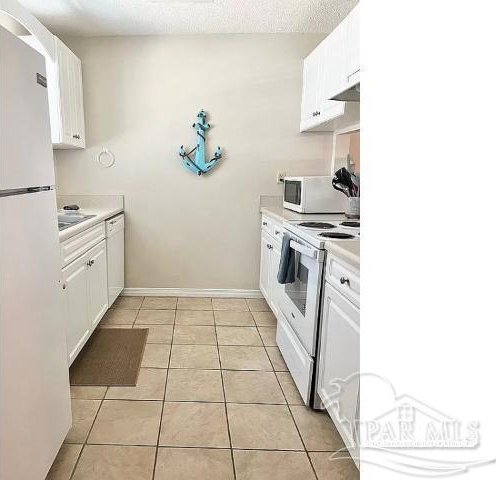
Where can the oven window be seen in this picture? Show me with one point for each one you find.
(297, 291)
(292, 192)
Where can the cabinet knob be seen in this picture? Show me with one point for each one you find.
(317, 114)
(277, 232)
(91, 263)
(64, 286)
(269, 246)
(76, 136)
(344, 280)
(264, 224)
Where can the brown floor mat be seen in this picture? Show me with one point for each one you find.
(112, 356)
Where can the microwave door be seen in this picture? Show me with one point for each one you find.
(292, 192)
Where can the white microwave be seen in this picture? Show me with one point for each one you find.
(313, 195)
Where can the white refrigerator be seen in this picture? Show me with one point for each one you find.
(35, 410)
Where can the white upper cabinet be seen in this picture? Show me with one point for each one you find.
(331, 53)
(310, 93)
(65, 94)
(66, 100)
(352, 40)
(334, 66)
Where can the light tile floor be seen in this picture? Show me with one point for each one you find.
(213, 400)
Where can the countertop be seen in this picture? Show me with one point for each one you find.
(282, 214)
(347, 250)
(102, 206)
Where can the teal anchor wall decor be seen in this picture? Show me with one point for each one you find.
(199, 165)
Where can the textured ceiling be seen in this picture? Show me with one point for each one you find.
(156, 17)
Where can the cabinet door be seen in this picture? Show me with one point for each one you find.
(97, 284)
(78, 134)
(66, 80)
(115, 264)
(71, 98)
(309, 102)
(331, 76)
(275, 286)
(353, 47)
(339, 361)
(75, 278)
(265, 255)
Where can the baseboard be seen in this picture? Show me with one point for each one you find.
(192, 292)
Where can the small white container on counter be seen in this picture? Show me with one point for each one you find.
(353, 208)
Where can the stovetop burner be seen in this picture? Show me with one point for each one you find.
(351, 224)
(339, 235)
(317, 225)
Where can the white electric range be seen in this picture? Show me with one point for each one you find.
(300, 301)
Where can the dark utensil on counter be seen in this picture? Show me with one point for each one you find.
(346, 182)
(344, 179)
(356, 184)
(340, 187)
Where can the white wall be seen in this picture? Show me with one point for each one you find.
(141, 96)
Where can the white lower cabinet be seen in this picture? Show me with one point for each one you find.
(86, 291)
(115, 257)
(339, 364)
(75, 285)
(270, 255)
(265, 248)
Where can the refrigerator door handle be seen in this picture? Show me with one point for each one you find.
(24, 191)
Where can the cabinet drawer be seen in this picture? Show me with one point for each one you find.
(114, 225)
(267, 224)
(344, 279)
(277, 232)
(81, 243)
(299, 363)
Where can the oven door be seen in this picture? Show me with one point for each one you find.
(300, 300)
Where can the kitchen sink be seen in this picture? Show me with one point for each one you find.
(67, 220)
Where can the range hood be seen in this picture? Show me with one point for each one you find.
(352, 94)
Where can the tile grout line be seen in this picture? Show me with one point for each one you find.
(88, 435)
(290, 412)
(304, 446)
(225, 402)
(251, 449)
(163, 398)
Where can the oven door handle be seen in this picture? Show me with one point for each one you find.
(309, 252)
